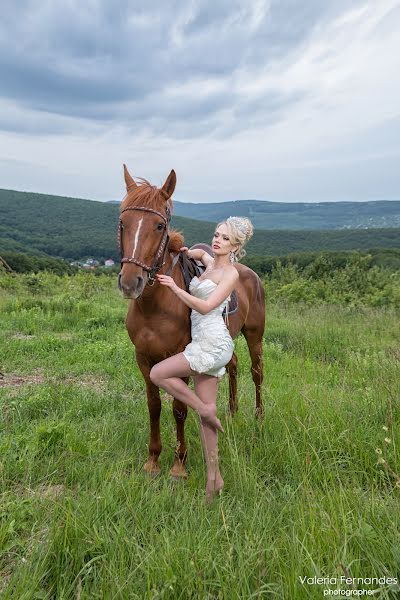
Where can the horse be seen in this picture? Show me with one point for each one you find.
(157, 324)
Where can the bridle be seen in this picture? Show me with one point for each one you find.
(159, 261)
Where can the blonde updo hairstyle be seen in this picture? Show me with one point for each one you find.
(240, 230)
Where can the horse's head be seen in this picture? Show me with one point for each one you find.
(143, 232)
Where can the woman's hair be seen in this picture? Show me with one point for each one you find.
(240, 230)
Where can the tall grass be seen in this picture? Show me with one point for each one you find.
(312, 490)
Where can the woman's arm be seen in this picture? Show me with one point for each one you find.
(221, 292)
(198, 254)
(206, 259)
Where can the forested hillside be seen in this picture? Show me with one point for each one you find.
(74, 229)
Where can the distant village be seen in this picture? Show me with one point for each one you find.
(91, 264)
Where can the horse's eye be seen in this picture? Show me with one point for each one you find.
(160, 226)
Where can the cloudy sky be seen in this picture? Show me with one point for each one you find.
(285, 100)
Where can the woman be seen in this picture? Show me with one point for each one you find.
(211, 347)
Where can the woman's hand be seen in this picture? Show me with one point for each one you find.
(186, 249)
(166, 280)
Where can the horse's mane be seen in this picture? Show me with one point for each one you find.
(176, 240)
(150, 196)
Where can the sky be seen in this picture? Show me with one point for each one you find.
(281, 100)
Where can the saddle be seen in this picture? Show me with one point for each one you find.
(194, 268)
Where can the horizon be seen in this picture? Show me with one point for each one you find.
(205, 203)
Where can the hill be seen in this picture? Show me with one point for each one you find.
(74, 228)
(299, 215)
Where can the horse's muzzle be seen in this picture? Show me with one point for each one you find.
(132, 289)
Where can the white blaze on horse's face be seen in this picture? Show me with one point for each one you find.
(141, 238)
(135, 243)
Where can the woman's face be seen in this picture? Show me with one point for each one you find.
(220, 242)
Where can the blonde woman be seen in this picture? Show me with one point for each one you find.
(211, 348)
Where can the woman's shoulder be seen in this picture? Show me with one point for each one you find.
(231, 271)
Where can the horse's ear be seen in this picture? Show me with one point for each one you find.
(169, 186)
(129, 181)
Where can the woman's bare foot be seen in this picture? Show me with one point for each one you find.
(214, 488)
(207, 414)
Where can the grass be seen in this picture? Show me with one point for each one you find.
(313, 490)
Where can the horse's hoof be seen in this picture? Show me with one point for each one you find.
(152, 468)
(178, 472)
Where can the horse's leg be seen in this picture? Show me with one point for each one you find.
(154, 405)
(254, 342)
(178, 470)
(231, 367)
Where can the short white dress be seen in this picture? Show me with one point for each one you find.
(212, 346)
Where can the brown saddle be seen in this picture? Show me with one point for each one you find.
(194, 268)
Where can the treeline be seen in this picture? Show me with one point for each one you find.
(354, 282)
(18, 262)
(101, 244)
(318, 263)
(313, 263)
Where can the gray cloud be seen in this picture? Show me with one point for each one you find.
(116, 62)
(275, 99)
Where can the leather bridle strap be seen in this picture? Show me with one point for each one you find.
(174, 261)
(158, 260)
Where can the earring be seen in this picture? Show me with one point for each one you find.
(232, 257)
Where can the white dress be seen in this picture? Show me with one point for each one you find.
(212, 346)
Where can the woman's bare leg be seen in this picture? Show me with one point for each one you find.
(206, 387)
(166, 374)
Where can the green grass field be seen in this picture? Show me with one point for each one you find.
(313, 490)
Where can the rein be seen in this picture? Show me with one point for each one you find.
(159, 261)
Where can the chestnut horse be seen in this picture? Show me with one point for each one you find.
(157, 323)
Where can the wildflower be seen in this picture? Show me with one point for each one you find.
(388, 440)
(385, 428)
(378, 450)
(381, 461)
